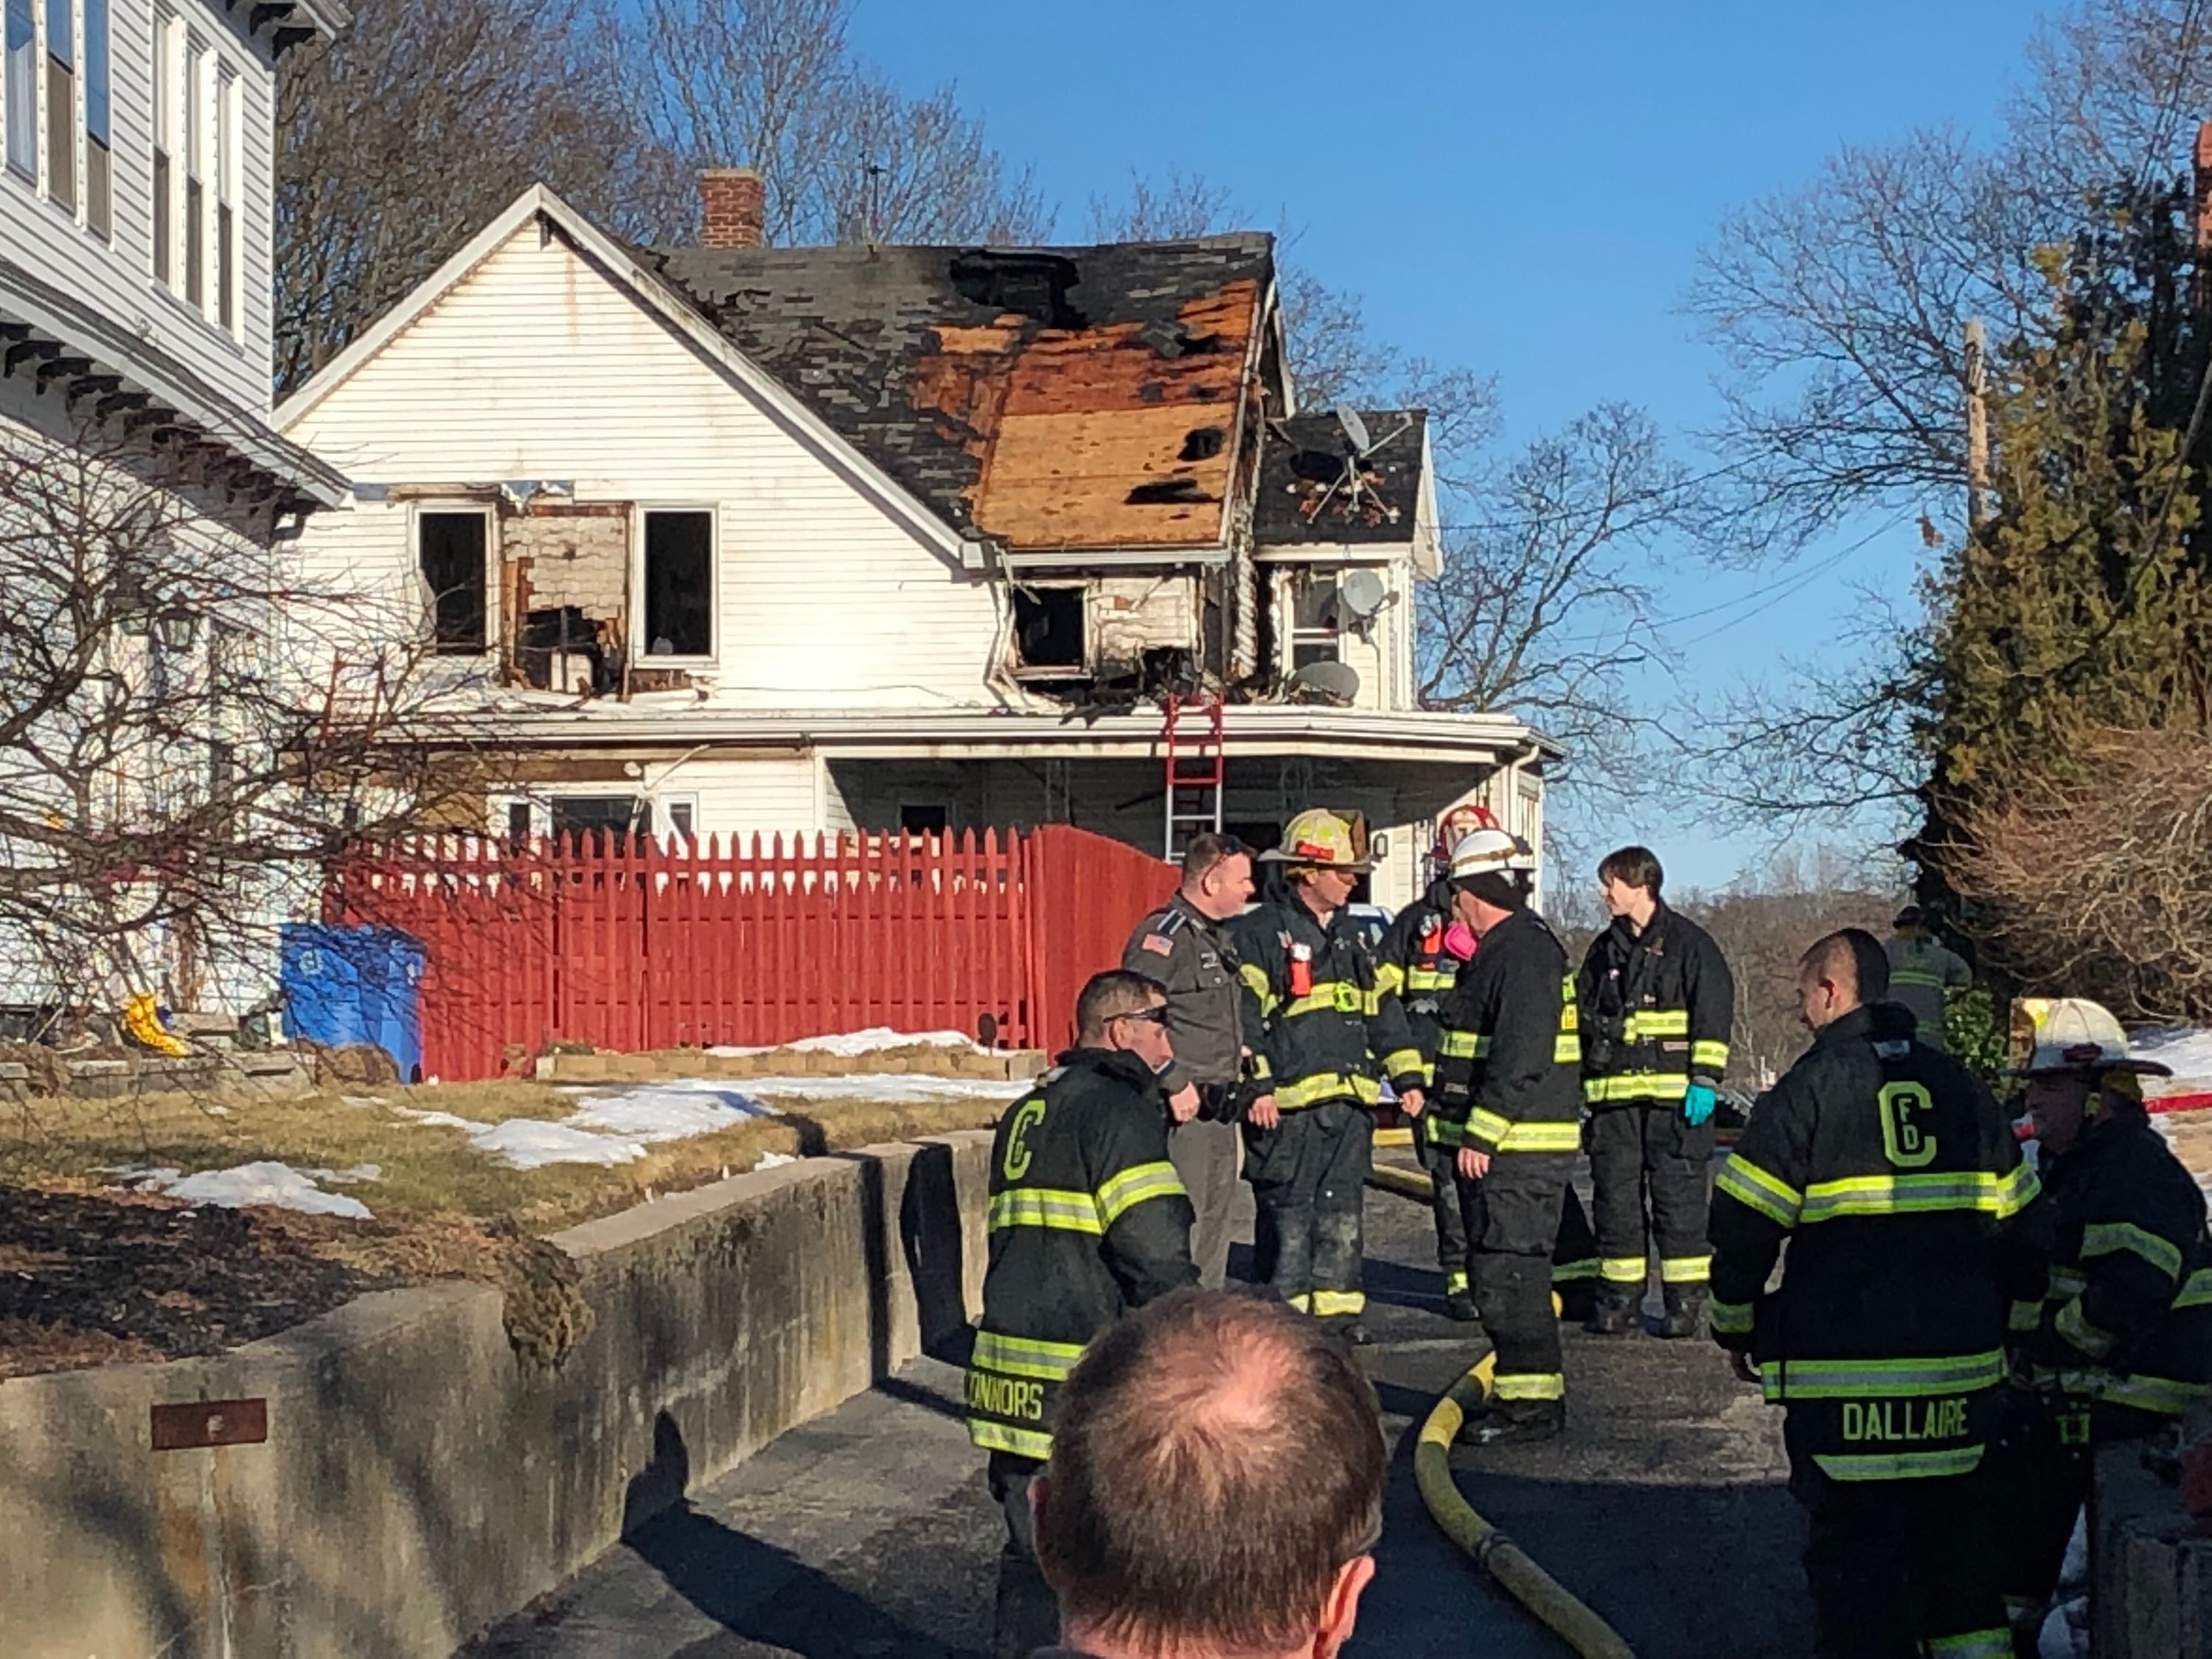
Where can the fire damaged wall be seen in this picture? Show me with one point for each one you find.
(564, 590)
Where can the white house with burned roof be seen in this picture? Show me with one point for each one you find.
(726, 538)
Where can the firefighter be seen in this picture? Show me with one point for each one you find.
(1658, 1002)
(1420, 956)
(2119, 1343)
(1897, 1184)
(1923, 974)
(1087, 1218)
(1326, 1035)
(1185, 945)
(1507, 1105)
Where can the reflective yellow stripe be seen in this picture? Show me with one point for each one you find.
(2024, 1317)
(1389, 978)
(1429, 979)
(1330, 1305)
(1311, 1090)
(1646, 1022)
(1868, 1379)
(1262, 1071)
(1709, 1056)
(1975, 1190)
(1566, 1050)
(1443, 1132)
(1529, 1385)
(998, 1437)
(1462, 1045)
(2196, 1291)
(1133, 1186)
(1022, 1356)
(1685, 1269)
(1635, 1085)
(2066, 1281)
(1303, 1302)
(1042, 1206)
(2167, 1395)
(1974, 1644)
(1732, 1318)
(1455, 1279)
(1257, 979)
(1506, 1135)
(1366, 1090)
(1569, 1273)
(2111, 1237)
(1399, 1062)
(1901, 1465)
(2074, 1325)
(1746, 1183)
(1624, 1269)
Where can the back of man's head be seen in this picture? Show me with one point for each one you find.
(1217, 1463)
(1853, 961)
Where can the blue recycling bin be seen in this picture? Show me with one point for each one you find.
(349, 986)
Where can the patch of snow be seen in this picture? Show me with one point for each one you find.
(347, 1177)
(666, 1111)
(360, 1099)
(894, 1088)
(775, 1160)
(267, 1183)
(866, 1041)
(2185, 1048)
(529, 1143)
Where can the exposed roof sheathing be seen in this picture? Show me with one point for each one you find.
(1084, 397)
(1307, 469)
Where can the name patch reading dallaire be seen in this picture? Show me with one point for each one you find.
(1006, 1396)
(1904, 1420)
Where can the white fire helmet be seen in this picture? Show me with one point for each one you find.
(2052, 1034)
(1492, 852)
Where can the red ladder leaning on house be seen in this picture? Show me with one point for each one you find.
(1194, 769)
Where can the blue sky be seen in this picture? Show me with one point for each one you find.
(1520, 188)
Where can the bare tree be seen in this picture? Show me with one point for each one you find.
(403, 137)
(845, 156)
(1174, 208)
(181, 752)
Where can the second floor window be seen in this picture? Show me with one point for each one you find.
(226, 198)
(450, 551)
(1315, 631)
(679, 584)
(61, 103)
(98, 122)
(20, 89)
(164, 148)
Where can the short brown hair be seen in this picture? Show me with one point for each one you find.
(1216, 1460)
(1632, 866)
(1108, 995)
(1205, 850)
(1851, 955)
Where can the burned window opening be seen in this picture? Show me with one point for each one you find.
(452, 549)
(1034, 285)
(1202, 444)
(553, 642)
(679, 600)
(1169, 492)
(1051, 633)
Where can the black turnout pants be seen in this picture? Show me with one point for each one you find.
(1896, 1566)
(1574, 1256)
(1308, 1177)
(1650, 1155)
(1512, 1219)
(1028, 1614)
(2035, 1477)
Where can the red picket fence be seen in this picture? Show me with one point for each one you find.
(637, 945)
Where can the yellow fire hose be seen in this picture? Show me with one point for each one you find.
(1485, 1545)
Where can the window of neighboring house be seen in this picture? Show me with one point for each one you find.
(20, 92)
(1315, 634)
(681, 812)
(679, 579)
(194, 95)
(61, 103)
(452, 550)
(225, 197)
(923, 818)
(518, 823)
(1051, 636)
(601, 820)
(165, 141)
(99, 123)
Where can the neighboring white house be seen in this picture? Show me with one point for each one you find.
(136, 192)
(731, 539)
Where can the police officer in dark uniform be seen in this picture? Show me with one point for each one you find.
(1087, 1218)
(1897, 1183)
(1185, 946)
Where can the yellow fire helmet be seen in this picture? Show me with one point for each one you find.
(1320, 839)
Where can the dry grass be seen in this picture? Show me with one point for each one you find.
(439, 1191)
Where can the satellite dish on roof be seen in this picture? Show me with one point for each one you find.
(1327, 682)
(1361, 594)
(1355, 429)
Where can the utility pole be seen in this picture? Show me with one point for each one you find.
(1977, 426)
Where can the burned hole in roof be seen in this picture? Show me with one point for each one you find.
(1169, 492)
(1033, 285)
(1202, 444)
(1317, 465)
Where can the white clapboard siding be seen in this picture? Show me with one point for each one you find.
(538, 366)
(767, 796)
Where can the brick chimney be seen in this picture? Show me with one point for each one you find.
(733, 206)
(2203, 185)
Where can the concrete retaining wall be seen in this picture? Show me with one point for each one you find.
(2151, 1573)
(418, 1479)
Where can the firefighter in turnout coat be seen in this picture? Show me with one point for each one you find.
(1425, 950)
(1507, 1103)
(1658, 1002)
(1898, 1186)
(2119, 1343)
(1323, 1036)
(1087, 1218)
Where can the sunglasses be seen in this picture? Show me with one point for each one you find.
(1156, 1014)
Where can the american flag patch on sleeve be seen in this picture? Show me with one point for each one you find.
(1161, 943)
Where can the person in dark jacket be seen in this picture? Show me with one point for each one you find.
(1087, 1220)
(2119, 1343)
(1657, 1003)
(1426, 950)
(1185, 945)
(1897, 1183)
(1325, 1037)
(1507, 1105)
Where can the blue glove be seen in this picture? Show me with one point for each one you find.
(1698, 1103)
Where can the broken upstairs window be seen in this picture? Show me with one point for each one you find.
(450, 551)
(679, 594)
(1050, 638)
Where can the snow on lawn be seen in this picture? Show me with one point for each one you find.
(267, 1183)
(2186, 1049)
(868, 1042)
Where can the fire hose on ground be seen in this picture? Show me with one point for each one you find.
(1483, 1543)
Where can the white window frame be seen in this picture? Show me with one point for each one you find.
(1046, 673)
(1293, 636)
(226, 166)
(35, 177)
(640, 640)
(420, 585)
(165, 219)
(665, 806)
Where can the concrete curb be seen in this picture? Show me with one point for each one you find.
(418, 1481)
(2150, 1571)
